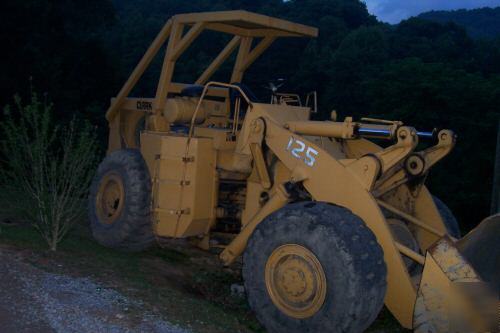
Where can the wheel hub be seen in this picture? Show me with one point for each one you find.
(295, 281)
(110, 198)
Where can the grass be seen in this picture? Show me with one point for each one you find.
(187, 286)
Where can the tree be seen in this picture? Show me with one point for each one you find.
(45, 169)
(59, 44)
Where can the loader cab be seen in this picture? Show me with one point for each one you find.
(174, 104)
(233, 100)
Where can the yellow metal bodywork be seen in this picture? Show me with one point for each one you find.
(184, 183)
(228, 164)
(344, 188)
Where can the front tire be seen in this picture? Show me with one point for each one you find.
(119, 202)
(314, 267)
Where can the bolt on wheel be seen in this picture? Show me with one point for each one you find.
(295, 281)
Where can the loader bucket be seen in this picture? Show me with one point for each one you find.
(481, 248)
(458, 290)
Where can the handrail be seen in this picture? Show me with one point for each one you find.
(203, 94)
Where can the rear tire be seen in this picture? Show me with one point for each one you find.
(350, 262)
(119, 202)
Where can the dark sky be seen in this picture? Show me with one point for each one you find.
(393, 11)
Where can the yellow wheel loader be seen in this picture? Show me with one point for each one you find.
(329, 225)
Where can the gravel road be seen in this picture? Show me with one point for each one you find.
(34, 301)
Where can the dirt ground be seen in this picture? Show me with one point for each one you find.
(32, 300)
(83, 287)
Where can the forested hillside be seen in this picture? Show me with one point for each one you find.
(425, 73)
(479, 23)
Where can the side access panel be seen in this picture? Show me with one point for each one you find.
(184, 184)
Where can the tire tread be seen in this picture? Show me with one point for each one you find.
(133, 230)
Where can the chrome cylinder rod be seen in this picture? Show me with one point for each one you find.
(375, 132)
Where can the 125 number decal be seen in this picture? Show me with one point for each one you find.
(297, 148)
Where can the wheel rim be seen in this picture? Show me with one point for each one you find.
(295, 281)
(110, 198)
